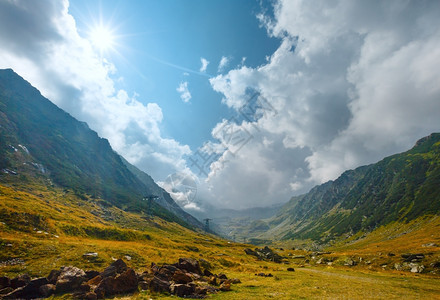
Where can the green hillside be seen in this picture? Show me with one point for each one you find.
(39, 140)
(399, 188)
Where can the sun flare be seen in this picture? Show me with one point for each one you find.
(102, 38)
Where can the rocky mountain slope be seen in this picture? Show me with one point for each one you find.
(40, 141)
(399, 188)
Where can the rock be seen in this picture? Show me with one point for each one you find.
(201, 290)
(166, 272)
(298, 256)
(349, 262)
(20, 281)
(398, 266)
(53, 276)
(416, 268)
(95, 280)
(181, 278)
(225, 286)
(117, 267)
(222, 276)
(183, 290)
(4, 282)
(391, 254)
(207, 273)
(213, 280)
(435, 265)
(291, 269)
(91, 296)
(410, 257)
(430, 245)
(29, 291)
(91, 274)
(123, 283)
(127, 257)
(264, 275)
(5, 291)
(189, 264)
(47, 290)
(144, 285)
(70, 279)
(235, 280)
(159, 286)
(90, 254)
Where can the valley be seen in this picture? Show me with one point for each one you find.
(68, 201)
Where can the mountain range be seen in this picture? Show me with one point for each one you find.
(399, 188)
(39, 141)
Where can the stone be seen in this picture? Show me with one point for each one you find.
(95, 280)
(413, 257)
(117, 267)
(181, 278)
(53, 276)
(47, 290)
(91, 296)
(166, 272)
(207, 273)
(29, 291)
(189, 264)
(159, 286)
(416, 268)
(70, 279)
(144, 285)
(123, 283)
(4, 282)
(5, 291)
(291, 269)
(222, 276)
(213, 280)
(183, 290)
(225, 286)
(20, 281)
(91, 274)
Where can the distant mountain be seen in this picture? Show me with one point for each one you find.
(39, 140)
(400, 188)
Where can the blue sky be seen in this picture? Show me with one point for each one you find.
(336, 85)
(159, 44)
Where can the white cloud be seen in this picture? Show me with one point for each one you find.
(352, 82)
(205, 64)
(185, 95)
(40, 42)
(224, 61)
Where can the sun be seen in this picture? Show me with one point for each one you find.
(102, 38)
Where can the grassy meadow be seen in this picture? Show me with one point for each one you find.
(44, 228)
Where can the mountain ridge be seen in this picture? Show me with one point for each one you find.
(72, 155)
(400, 187)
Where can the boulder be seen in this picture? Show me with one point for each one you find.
(53, 276)
(70, 279)
(123, 283)
(416, 268)
(4, 282)
(291, 269)
(5, 291)
(159, 286)
(413, 257)
(20, 281)
(117, 267)
(181, 277)
(189, 264)
(225, 286)
(47, 290)
(183, 290)
(29, 291)
(91, 274)
(166, 272)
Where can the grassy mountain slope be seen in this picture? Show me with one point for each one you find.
(37, 139)
(400, 188)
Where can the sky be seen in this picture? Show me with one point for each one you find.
(256, 100)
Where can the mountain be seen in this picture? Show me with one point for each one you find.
(399, 188)
(40, 141)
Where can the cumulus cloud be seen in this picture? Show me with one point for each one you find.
(185, 95)
(40, 41)
(224, 61)
(205, 64)
(351, 82)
